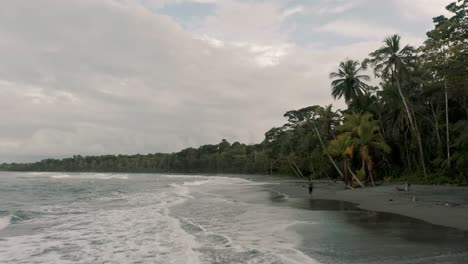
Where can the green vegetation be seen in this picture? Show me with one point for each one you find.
(358, 135)
(414, 126)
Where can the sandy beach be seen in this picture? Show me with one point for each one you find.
(439, 205)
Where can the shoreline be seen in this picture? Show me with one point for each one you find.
(439, 205)
(442, 205)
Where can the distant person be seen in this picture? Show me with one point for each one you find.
(311, 188)
(407, 186)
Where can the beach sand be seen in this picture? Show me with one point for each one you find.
(439, 205)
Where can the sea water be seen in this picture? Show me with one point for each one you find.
(155, 218)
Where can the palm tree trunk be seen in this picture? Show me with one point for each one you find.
(293, 169)
(421, 153)
(413, 126)
(345, 171)
(382, 127)
(294, 162)
(355, 177)
(447, 124)
(437, 131)
(329, 157)
(407, 155)
(369, 168)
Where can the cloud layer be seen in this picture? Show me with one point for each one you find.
(115, 76)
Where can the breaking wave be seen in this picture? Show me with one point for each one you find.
(5, 221)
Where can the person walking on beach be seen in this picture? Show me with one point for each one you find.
(311, 188)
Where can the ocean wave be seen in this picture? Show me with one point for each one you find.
(180, 191)
(196, 183)
(5, 221)
(102, 176)
(61, 175)
(185, 220)
(140, 228)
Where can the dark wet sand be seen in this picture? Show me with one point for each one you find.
(343, 232)
(440, 205)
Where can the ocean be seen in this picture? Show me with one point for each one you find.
(157, 218)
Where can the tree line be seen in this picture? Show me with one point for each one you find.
(413, 125)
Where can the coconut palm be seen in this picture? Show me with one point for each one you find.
(369, 139)
(328, 120)
(365, 138)
(393, 62)
(342, 147)
(348, 81)
(354, 121)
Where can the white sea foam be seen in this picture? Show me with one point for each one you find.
(237, 181)
(60, 176)
(197, 183)
(147, 227)
(266, 230)
(33, 174)
(37, 173)
(5, 221)
(233, 231)
(97, 176)
(142, 231)
(106, 176)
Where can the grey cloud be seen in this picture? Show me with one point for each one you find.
(104, 77)
(96, 77)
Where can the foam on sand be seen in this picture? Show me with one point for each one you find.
(231, 227)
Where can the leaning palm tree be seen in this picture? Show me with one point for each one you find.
(348, 82)
(369, 139)
(366, 139)
(392, 62)
(342, 147)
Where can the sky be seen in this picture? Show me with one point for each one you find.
(96, 77)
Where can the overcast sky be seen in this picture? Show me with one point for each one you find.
(144, 76)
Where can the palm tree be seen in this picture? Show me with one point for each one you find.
(328, 119)
(342, 147)
(394, 63)
(394, 123)
(354, 121)
(348, 81)
(366, 138)
(369, 139)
